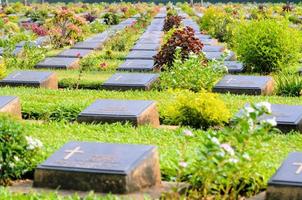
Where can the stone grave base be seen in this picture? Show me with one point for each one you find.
(25, 187)
(260, 196)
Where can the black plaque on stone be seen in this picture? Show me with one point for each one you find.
(212, 48)
(101, 167)
(137, 65)
(58, 63)
(234, 66)
(142, 55)
(252, 85)
(146, 47)
(75, 53)
(130, 81)
(286, 183)
(136, 112)
(88, 45)
(31, 79)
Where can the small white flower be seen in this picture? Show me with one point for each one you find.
(16, 158)
(215, 140)
(11, 165)
(264, 105)
(233, 160)
(188, 133)
(251, 124)
(183, 164)
(221, 154)
(33, 143)
(248, 110)
(177, 48)
(228, 148)
(270, 121)
(246, 156)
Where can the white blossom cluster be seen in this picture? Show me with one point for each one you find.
(33, 143)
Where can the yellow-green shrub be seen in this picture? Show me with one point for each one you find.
(2, 69)
(199, 110)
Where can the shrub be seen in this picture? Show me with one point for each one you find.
(183, 38)
(199, 110)
(26, 59)
(90, 17)
(66, 28)
(2, 69)
(17, 151)
(224, 172)
(111, 19)
(97, 27)
(180, 75)
(38, 30)
(172, 21)
(288, 84)
(267, 45)
(217, 22)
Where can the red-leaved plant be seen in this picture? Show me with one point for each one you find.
(183, 38)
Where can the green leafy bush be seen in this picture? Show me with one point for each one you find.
(288, 84)
(180, 75)
(27, 58)
(267, 45)
(111, 19)
(218, 23)
(225, 172)
(17, 151)
(198, 110)
(97, 27)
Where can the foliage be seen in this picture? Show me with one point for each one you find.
(27, 58)
(37, 29)
(180, 75)
(218, 23)
(111, 19)
(90, 17)
(288, 84)
(97, 27)
(198, 110)
(2, 69)
(225, 167)
(37, 15)
(267, 45)
(65, 28)
(183, 38)
(17, 151)
(172, 21)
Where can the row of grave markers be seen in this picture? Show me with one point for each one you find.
(105, 167)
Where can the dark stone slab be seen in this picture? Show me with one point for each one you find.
(10, 105)
(208, 41)
(75, 53)
(251, 85)
(160, 16)
(155, 40)
(219, 55)
(31, 79)
(286, 183)
(130, 81)
(88, 45)
(202, 36)
(146, 47)
(17, 51)
(234, 66)
(288, 117)
(144, 55)
(59, 63)
(101, 167)
(136, 112)
(137, 65)
(212, 48)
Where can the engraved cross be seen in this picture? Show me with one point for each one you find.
(299, 170)
(230, 79)
(118, 78)
(71, 152)
(18, 74)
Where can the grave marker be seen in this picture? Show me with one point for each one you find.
(10, 105)
(58, 63)
(234, 66)
(101, 167)
(88, 45)
(252, 85)
(146, 47)
(142, 55)
(31, 79)
(137, 65)
(286, 183)
(136, 112)
(130, 81)
(75, 53)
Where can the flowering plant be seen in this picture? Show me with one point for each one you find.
(225, 165)
(17, 151)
